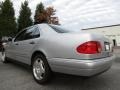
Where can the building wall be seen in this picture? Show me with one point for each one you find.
(112, 32)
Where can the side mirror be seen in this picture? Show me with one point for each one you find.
(10, 39)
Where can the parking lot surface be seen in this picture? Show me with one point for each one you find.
(17, 77)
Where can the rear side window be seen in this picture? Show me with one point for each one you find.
(36, 33)
(32, 33)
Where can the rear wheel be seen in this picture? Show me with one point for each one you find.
(40, 69)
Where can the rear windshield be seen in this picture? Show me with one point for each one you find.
(60, 29)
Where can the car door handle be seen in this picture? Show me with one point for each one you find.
(32, 42)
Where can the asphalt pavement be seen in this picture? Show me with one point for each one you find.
(17, 77)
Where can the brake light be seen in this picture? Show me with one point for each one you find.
(90, 47)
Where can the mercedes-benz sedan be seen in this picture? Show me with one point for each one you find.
(50, 48)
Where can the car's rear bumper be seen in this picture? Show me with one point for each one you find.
(81, 67)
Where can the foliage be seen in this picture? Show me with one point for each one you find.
(7, 19)
(39, 12)
(8, 26)
(51, 19)
(24, 19)
(43, 15)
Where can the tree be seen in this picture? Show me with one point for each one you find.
(0, 7)
(24, 19)
(7, 19)
(51, 19)
(0, 18)
(45, 15)
(39, 12)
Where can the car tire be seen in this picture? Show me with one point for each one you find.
(40, 69)
(3, 57)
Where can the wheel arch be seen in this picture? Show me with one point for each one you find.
(36, 52)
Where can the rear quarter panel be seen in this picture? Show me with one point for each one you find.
(64, 45)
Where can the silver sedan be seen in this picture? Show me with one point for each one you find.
(50, 48)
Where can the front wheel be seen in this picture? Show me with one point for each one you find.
(40, 69)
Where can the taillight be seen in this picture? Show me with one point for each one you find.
(90, 47)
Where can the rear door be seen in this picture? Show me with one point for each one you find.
(24, 46)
